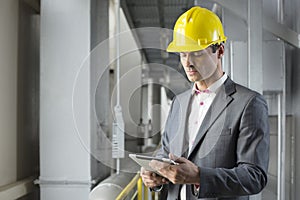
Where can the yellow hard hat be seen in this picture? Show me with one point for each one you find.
(196, 29)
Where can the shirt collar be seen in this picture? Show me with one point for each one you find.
(213, 87)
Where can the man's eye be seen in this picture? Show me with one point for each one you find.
(198, 54)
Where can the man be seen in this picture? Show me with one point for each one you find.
(218, 132)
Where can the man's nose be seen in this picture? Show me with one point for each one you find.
(189, 60)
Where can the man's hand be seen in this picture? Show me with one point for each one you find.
(184, 173)
(151, 179)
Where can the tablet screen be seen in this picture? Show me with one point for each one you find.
(145, 160)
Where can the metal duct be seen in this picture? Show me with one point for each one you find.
(111, 187)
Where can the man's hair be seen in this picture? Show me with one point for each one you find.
(215, 47)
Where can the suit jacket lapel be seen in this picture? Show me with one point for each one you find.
(180, 138)
(219, 104)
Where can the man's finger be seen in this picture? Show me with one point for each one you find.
(172, 156)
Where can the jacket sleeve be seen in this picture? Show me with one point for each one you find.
(249, 176)
(163, 152)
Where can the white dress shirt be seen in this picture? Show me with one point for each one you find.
(200, 103)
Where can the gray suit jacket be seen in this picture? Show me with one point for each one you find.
(231, 147)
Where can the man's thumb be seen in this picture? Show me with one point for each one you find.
(176, 158)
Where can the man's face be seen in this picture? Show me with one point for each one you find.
(199, 65)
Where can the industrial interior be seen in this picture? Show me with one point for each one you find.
(85, 83)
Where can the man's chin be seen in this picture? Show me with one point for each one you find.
(194, 79)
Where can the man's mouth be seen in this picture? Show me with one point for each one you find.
(192, 72)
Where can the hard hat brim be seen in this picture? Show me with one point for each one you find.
(185, 48)
(191, 46)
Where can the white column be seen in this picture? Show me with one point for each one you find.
(64, 141)
(255, 68)
(255, 71)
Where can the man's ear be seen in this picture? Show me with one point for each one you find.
(221, 51)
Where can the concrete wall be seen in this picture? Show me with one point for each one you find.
(19, 100)
(8, 90)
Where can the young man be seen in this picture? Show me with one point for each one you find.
(218, 132)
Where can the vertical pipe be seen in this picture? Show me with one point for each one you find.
(117, 5)
(292, 191)
(150, 98)
(282, 135)
(279, 147)
(149, 194)
(118, 110)
(196, 2)
(283, 126)
(118, 166)
(231, 60)
(280, 11)
(148, 138)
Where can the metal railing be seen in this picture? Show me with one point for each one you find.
(141, 191)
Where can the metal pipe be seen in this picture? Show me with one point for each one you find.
(134, 195)
(63, 182)
(293, 189)
(231, 60)
(118, 166)
(118, 130)
(149, 125)
(150, 98)
(283, 124)
(282, 136)
(280, 11)
(111, 187)
(196, 2)
(279, 147)
(117, 6)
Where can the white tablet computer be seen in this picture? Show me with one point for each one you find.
(144, 161)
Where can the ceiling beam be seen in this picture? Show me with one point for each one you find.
(280, 30)
(132, 26)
